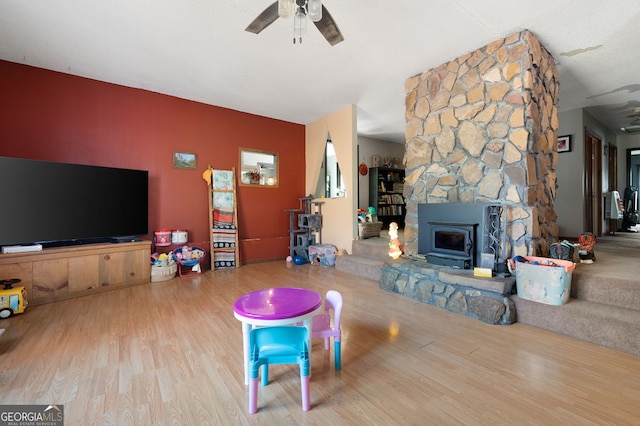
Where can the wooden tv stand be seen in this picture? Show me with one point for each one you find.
(64, 272)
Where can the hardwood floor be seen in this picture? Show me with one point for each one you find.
(170, 353)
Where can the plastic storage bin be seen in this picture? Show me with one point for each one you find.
(541, 282)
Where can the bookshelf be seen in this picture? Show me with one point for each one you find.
(386, 186)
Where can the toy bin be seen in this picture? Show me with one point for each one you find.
(163, 237)
(161, 273)
(189, 259)
(322, 254)
(543, 280)
(179, 237)
(369, 229)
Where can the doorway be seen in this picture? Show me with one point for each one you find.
(593, 183)
(633, 167)
(630, 197)
(612, 156)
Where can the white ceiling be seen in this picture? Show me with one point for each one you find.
(198, 50)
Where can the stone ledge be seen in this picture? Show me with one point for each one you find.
(456, 290)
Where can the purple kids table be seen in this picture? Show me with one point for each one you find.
(274, 306)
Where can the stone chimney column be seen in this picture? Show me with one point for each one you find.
(481, 128)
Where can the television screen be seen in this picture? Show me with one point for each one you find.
(57, 203)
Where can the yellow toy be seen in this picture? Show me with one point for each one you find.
(12, 300)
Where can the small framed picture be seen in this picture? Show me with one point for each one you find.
(564, 143)
(184, 160)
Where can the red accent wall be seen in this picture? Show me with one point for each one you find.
(47, 115)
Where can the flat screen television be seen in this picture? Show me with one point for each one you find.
(57, 204)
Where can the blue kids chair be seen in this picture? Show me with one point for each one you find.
(322, 327)
(278, 345)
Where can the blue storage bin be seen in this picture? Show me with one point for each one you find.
(543, 280)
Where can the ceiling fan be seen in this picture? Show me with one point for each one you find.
(300, 9)
(634, 125)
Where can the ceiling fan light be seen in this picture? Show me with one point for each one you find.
(285, 8)
(314, 7)
(300, 22)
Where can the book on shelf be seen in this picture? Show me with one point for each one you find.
(390, 199)
(391, 210)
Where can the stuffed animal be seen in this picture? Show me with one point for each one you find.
(371, 214)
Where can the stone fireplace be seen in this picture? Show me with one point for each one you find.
(480, 129)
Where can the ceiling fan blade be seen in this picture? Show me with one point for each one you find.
(328, 28)
(263, 20)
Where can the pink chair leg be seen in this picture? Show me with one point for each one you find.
(253, 395)
(326, 343)
(306, 398)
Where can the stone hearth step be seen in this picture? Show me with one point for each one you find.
(456, 290)
(605, 325)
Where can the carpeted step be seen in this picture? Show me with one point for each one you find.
(605, 325)
(360, 266)
(607, 281)
(374, 248)
(615, 291)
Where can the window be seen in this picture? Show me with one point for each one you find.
(258, 168)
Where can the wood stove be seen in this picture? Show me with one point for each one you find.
(452, 244)
(459, 235)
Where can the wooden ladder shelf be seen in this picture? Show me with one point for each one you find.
(223, 218)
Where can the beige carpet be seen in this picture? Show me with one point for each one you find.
(617, 256)
(605, 298)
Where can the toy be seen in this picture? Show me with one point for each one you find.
(322, 254)
(161, 259)
(395, 250)
(586, 243)
(189, 257)
(12, 300)
(368, 215)
(299, 260)
(362, 215)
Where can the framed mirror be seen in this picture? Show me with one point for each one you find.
(258, 168)
(330, 182)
